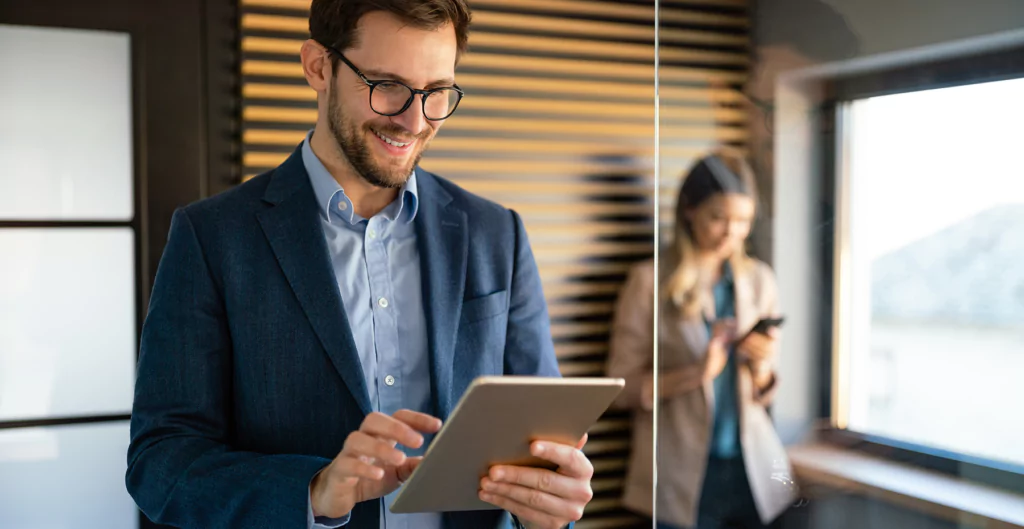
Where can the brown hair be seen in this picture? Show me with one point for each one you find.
(721, 172)
(333, 22)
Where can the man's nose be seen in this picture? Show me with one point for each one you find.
(413, 119)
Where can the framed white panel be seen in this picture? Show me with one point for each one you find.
(67, 322)
(64, 477)
(65, 124)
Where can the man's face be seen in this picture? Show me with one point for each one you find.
(384, 150)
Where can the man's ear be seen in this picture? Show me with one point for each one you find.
(316, 65)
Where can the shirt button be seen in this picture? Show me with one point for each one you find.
(343, 205)
(383, 302)
(372, 234)
(389, 380)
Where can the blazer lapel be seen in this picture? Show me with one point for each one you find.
(442, 238)
(293, 229)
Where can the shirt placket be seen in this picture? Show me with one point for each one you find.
(385, 324)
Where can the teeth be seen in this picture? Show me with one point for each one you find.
(390, 141)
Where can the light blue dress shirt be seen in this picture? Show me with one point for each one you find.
(377, 266)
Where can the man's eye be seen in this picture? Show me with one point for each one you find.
(389, 87)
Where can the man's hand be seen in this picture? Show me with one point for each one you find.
(541, 498)
(370, 466)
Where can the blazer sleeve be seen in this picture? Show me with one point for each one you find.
(529, 349)
(182, 470)
(631, 353)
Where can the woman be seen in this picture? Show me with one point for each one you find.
(720, 462)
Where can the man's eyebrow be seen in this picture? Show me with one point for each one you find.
(377, 75)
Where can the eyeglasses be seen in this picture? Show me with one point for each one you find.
(391, 98)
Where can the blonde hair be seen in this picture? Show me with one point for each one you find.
(723, 171)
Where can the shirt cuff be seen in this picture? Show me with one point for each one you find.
(323, 522)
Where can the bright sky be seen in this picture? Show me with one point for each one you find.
(923, 161)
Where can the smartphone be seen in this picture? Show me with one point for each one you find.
(763, 325)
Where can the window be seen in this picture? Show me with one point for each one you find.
(929, 327)
(69, 292)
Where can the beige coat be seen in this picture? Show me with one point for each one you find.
(684, 421)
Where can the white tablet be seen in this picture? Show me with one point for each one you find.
(494, 423)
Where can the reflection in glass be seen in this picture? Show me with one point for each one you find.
(67, 322)
(65, 124)
(66, 476)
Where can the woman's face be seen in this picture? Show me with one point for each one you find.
(721, 223)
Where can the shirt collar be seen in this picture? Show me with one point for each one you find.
(332, 198)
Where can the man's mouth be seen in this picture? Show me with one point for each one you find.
(391, 141)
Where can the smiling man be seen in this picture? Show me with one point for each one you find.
(309, 330)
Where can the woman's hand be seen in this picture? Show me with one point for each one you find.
(717, 355)
(758, 348)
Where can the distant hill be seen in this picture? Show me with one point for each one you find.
(971, 272)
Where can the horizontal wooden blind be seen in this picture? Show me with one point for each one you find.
(558, 124)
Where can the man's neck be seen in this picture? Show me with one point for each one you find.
(367, 199)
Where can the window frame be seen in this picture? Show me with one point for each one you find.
(966, 69)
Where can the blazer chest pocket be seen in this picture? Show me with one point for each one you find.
(485, 307)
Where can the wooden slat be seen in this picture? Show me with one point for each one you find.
(506, 146)
(600, 485)
(566, 351)
(492, 166)
(558, 290)
(562, 209)
(603, 49)
(579, 128)
(540, 231)
(603, 9)
(529, 125)
(504, 41)
(615, 522)
(608, 465)
(604, 446)
(633, 111)
(596, 68)
(534, 65)
(283, 23)
(721, 3)
(562, 330)
(710, 100)
(590, 249)
(582, 369)
(564, 187)
(611, 426)
(563, 270)
(604, 30)
(561, 310)
(602, 505)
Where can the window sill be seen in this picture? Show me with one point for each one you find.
(921, 490)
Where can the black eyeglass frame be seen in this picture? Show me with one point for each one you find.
(412, 91)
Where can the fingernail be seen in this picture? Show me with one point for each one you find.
(498, 474)
(485, 496)
(539, 449)
(488, 484)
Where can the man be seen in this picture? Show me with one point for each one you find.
(306, 328)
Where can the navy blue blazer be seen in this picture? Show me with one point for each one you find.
(248, 376)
